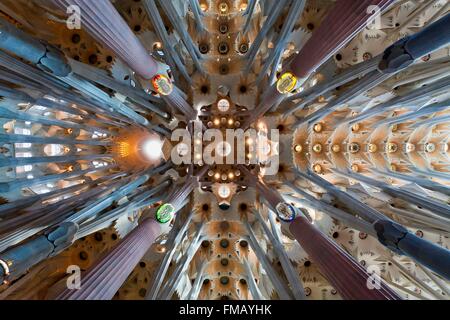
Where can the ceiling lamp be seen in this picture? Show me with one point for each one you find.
(152, 148)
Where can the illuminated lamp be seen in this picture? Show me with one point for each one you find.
(336, 148)
(318, 127)
(410, 147)
(160, 248)
(152, 148)
(318, 168)
(243, 6)
(356, 127)
(372, 148)
(158, 45)
(224, 191)
(223, 8)
(317, 148)
(391, 147)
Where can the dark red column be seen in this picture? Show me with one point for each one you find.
(105, 24)
(101, 19)
(343, 22)
(271, 195)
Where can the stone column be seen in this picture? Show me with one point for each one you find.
(279, 285)
(278, 248)
(14, 162)
(20, 138)
(344, 21)
(349, 278)
(18, 115)
(22, 183)
(105, 24)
